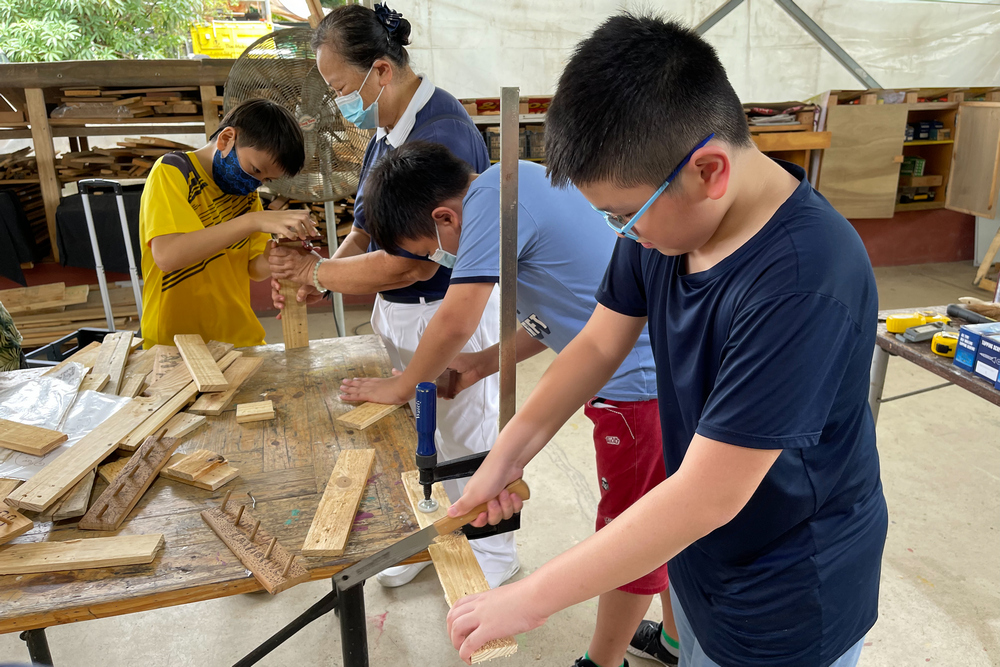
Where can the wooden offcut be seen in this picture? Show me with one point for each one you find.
(254, 412)
(115, 350)
(22, 299)
(210, 481)
(204, 371)
(138, 368)
(109, 471)
(455, 563)
(183, 424)
(76, 501)
(165, 359)
(33, 440)
(55, 479)
(294, 318)
(177, 375)
(79, 554)
(263, 556)
(196, 464)
(94, 382)
(215, 404)
(12, 523)
(111, 507)
(335, 515)
(366, 414)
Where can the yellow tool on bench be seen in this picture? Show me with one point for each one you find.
(900, 322)
(944, 343)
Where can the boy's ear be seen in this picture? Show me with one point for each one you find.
(225, 140)
(713, 166)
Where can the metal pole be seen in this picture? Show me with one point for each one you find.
(509, 130)
(331, 244)
(127, 235)
(827, 42)
(353, 628)
(38, 647)
(716, 16)
(102, 280)
(880, 362)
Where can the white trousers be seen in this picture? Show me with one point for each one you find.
(466, 424)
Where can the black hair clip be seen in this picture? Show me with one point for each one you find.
(389, 18)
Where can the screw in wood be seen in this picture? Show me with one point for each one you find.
(226, 499)
(270, 547)
(253, 533)
(103, 510)
(239, 515)
(288, 566)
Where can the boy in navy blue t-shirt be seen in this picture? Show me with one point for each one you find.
(761, 305)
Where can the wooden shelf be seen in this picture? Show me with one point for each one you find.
(18, 181)
(919, 206)
(154, 120)
(130, 130)
(925, 142)
(791, 141)
(932, 106)
(755, 129)
(495, 120)
(925, 181)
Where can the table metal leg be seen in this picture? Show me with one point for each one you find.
(349, 606)
(38, 646)
(880, 362)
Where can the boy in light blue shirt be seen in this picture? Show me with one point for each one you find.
(430, 204)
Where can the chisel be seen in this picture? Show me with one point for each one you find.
(415, 543)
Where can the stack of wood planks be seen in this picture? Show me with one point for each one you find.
(132, 158)
(19, 165)
(45, 313)
(99, 103)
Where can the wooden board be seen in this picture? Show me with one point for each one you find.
(455, 563)
(254, 412)
(166, 359)
(33, 440)
(138, 368)
(19, 524)
(237, 537)
(21, 299)
(178, 376)
(56, 478)
(196, 464)
(858, 174)
(200, 363)
(79, 554)
(792, 141)
(973, 182)
(183, 424)
(169, 408)
(115, 350)
(366, 414)
(87, 356)
(294, 319)
(210, 481)
(76, 501)
(93, 382)
(111, 507)
(7, 485)
(215, 404)
(109, 471)
(334, 517)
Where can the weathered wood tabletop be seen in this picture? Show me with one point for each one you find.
(921, 355)
(285, 463)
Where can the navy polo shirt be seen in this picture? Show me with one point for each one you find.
(442, 120)
(771, 349)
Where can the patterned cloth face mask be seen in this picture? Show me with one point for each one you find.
(229, 175)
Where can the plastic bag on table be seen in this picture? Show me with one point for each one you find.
(40, 401)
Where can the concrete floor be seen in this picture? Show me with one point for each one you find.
(940, 596)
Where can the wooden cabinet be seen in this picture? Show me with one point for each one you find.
(860, 172)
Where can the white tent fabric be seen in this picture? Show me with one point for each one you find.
(473, 47)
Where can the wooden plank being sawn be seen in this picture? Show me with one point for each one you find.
(166, 412)
(204, 371)
(335, 515)
(33, 440)
(262, 555)
(79, 554)
(456, 564)
(241, 371)
(55, 479)
(294, 318)
(111, 507)
(115, 350)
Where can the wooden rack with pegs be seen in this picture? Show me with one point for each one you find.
(273, 566)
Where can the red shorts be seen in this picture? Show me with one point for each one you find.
(629, 451)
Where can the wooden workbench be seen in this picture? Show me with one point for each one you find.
(285, 463)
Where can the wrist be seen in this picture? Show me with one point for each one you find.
(315, 275)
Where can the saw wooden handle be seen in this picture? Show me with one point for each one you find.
(451, 524)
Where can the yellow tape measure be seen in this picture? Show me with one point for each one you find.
(944, 343)
(902, 322)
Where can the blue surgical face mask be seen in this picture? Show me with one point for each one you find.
(229, 175)
(442, 256)
(353, 107)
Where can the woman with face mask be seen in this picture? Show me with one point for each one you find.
(361, 55)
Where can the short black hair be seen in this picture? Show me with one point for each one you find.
(635, 98)
(405, 186)
(270, 127)
(362, 35)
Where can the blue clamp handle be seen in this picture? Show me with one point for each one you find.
(426, 413)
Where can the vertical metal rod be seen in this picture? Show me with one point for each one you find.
(880, 362)
(102, 280)
(38, 646)
(353, 626)
(716, 16)
(331, 244)
(133, 270)
(509, 134)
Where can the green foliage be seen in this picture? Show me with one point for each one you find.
(53, 30)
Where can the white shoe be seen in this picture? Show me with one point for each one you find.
(391, 577)
(498, 577)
